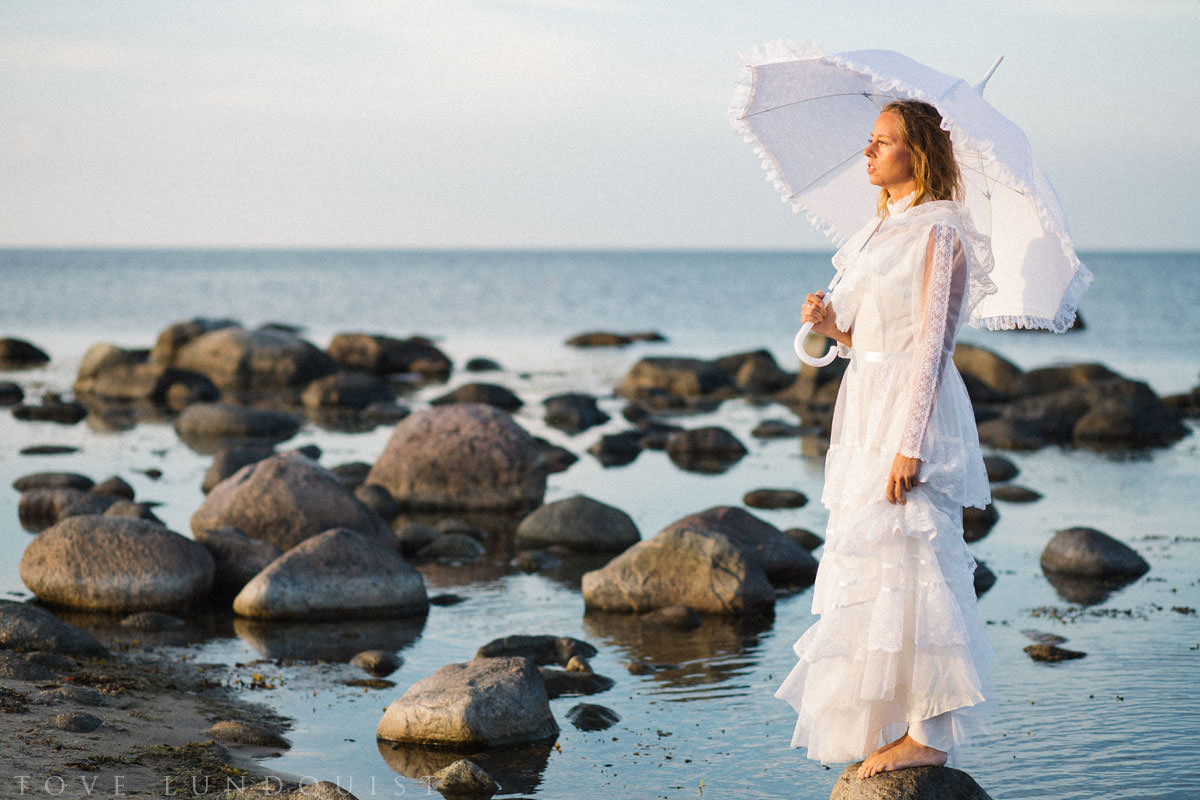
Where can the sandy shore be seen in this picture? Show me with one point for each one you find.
(153, 739)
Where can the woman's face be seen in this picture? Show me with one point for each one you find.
(888, 163)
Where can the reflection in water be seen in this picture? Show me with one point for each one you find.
(714, 655)
(1087, 590)
(148, 630)
(337, 640)
(518, 770)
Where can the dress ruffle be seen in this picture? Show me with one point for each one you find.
(898, 638)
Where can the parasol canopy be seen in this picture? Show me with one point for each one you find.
(809, 114)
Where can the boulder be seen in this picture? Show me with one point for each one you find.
(814, 387)
(116, 564)
(178, 334)
(286, 499)
(487, 702)
(464, 778)
(776, 429)
(983, 578)
(783, 561)
(229, 460)
(383, 355)
(339, 573)
(11, 393)
(1052, 654)
(41, 508)
(573, 412)
(665, 382)
(453, 548)
(18, 354)
(711, 449)
(352, 473)
(999, 468)
(77, 721)
(566, 682)
(599, 339)
(482, 364)
(262, 360)
(412, 538)
(617, 449)
(379, 499)
(540, 649)
(805, 538)
(236, 557)
(207, 424)
(52, 409)
(115, 486)
(1089, 552)
(53, 480)
(1012, 493)
(555, 458)
(486, 393)
(236, 732)
(377, 662)
(578, 523)
(682, 566)
(465, 456)
(127, 508)
(344, 389)
(988, 367)
(775, 498)
(913, 783)
(755, 372)
(978, 522)
(1050, 380)
(29, 629)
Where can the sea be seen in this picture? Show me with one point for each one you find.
(1118, 723)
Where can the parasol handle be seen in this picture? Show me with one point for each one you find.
(812, 361)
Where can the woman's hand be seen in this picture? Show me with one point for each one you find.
(816, 312)
(902, 478)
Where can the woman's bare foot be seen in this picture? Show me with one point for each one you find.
(904, 752)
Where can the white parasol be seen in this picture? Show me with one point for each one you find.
(809, 114)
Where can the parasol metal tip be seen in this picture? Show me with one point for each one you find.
(982, 83)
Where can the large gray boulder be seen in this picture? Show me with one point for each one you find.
(482, 703)
(991, 369)
(285, 499)
(1089, 552)
(699, 568)
(465, 456)
(578, 523)
(784, 562)
(347, 389)
(913, 783)
(29, 629)
(116, 564)
(266, 359)
(755, 372)
(339, 573)
(710, 449)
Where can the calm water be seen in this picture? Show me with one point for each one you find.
(1116, 724)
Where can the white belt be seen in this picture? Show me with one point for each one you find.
(880, 358)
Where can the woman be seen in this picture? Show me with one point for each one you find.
(896, 669)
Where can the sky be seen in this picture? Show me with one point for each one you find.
(537, 123)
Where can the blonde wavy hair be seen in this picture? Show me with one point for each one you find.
(934, 169)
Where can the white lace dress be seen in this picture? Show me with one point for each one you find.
(899, 644)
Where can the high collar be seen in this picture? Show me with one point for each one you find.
(898, 207)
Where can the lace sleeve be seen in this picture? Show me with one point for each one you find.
(939, 321)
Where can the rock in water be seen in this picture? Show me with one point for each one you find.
(1087, 551)
(204, 424)
(286, 499)
(592, 717)
(487, 702)
(338, 573)
(464, 778)
(465, 456)
(784, 561)
(116, 564)
(265, 359)
(486, 393)
(684, 566)
(26, 628)
(573, 412)
(914, 783)
(237, 557)
(578, 523)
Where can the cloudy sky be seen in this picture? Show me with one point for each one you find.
(537, 123)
